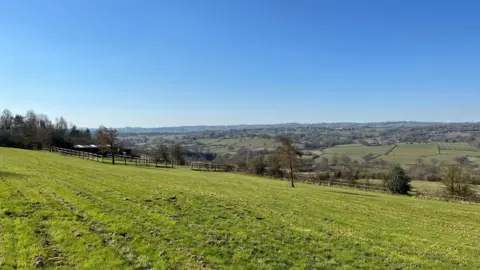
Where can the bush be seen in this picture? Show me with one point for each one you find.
(398, 181)
(457, 181)
(274, 168)
(258, 165)
(433, 178)
(476, 180)
(322, 176)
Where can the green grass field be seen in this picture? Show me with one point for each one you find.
(69, 213)
(221, 145)
(357, 149)
(459, 146)
(416, 150)
(406, 154)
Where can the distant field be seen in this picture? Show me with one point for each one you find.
(330, 156)
(456, 146)
(404, 153)
(221, 145)
(256, 143)
(208, 141)
(417, 150)
(227, 141)
(60, 212)
(459, 153)
(357, 149)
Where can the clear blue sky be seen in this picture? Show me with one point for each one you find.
(170, 63)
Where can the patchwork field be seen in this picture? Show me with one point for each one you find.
(357, 149)
(406, 154)
(222, 145)
(416, 150)
(66, 213)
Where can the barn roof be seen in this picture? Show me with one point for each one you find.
(88, 146)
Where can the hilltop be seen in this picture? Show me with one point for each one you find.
(67, 212)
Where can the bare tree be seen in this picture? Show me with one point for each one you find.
(289, 156)
(162, 153)
(30, 127)
(108, 139)
(323, 165)
(457, 181)
(176, 153)
(6, 120)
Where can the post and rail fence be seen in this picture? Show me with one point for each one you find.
(149, 161)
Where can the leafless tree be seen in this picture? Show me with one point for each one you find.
(108, 139)
(6, 120)
(289, 156)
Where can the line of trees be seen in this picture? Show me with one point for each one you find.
(32, 129)
(23, 131)
(286, 161)
(168, 154)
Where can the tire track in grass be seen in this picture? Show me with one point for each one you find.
(8, 259)
(188, 258)
(20, 225)
(47, 253)
(78, 183)
(118, 242)
(214, 235)
(93, 243)
(7, 230)
(54, 229)
(395, 254)
(118, 235)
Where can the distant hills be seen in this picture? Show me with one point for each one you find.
(200, 128)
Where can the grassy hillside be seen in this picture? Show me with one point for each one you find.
(67, 212)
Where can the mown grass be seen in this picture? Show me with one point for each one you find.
(65, 212)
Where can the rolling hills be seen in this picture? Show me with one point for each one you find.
(64, 212)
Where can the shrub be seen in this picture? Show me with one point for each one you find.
(433, 178)
(274, 168)
(323, 176)
(258, 165)
(457, 181)
(398, 182)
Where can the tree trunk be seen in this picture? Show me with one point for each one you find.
(291, 179)
(113, 157)
(291, 174)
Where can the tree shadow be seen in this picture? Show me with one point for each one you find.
(352, 193)
(11, 175)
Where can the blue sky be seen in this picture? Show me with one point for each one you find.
(169, 63)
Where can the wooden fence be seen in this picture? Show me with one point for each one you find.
(119, 159)
(206, 166)
(209, 166)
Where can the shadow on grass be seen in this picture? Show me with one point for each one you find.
(352, 193)
(11, 175)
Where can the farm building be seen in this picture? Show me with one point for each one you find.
(92, 148)
(388, 142)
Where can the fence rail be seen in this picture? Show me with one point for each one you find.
(119, 159)
(206, 166)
